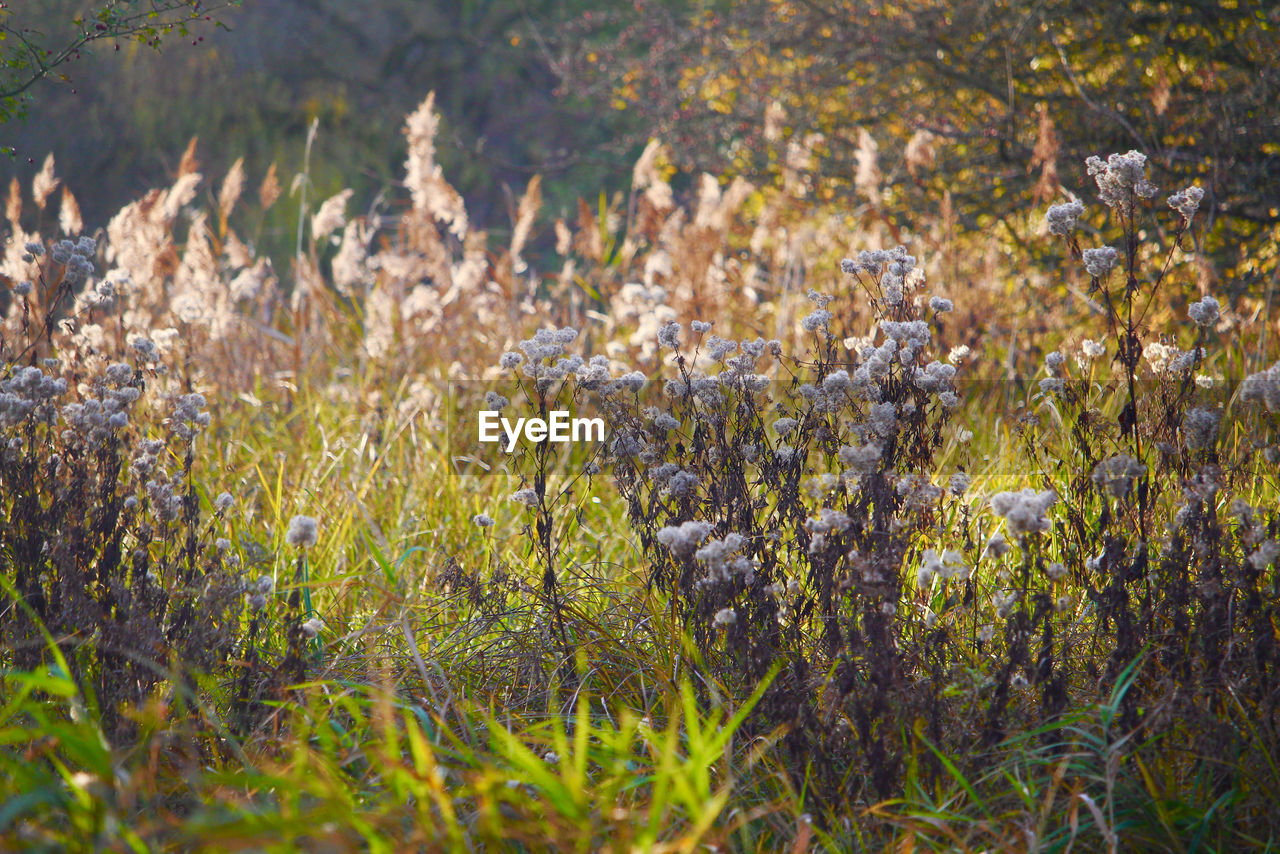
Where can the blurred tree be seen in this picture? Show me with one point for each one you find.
(44, 41)
(984, 99)
(253, 88)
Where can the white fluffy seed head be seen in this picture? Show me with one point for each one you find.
(303, 531)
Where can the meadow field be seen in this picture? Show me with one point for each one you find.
(896, 538)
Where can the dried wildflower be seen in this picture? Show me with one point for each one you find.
(817, 544)
(669, 336)
(862, 459)
(1098, 262)
(1244, 511)
(986, 633)
(1024, 510)
(104, 292)
(1121, 178)
(925, 575)
(934, 378)
(482, 520)
(726, 617)
(526, 496)
(1265, 555)
(998, 546)
(510, 360)
(899, 273)
(828, 520)
(947, 564)
(1056, 571)
(1004, 603)
(545, 344)
(837, 382)
(718, 348)
(821, 300)
(700, 326)
(660, 474)
(1160, 356)
(119, 373)
(1063, 218)
(959, 483)
(958, 354)
(311, 628)
(1199, 429)
(913, 333)
(940, 305)
(723, 561)
(883, 419)
(683, 539)
(917, 491)
(1117, 474)
(188, 417)
(1187, 202)
(816, 321)
(1264, 386)
(1205, 313)
(1091, 349)
(303, 531)
(633, 381)
(665, 422)
(876, 368)
(682, 484)
(625, 445)
(954, 566)
(1052, 385)
(145, 349)
(595, 374)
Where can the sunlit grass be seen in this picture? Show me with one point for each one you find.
(417, 679)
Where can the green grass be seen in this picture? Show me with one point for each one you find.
(453, 699)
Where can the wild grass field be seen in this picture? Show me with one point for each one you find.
(897, 539)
